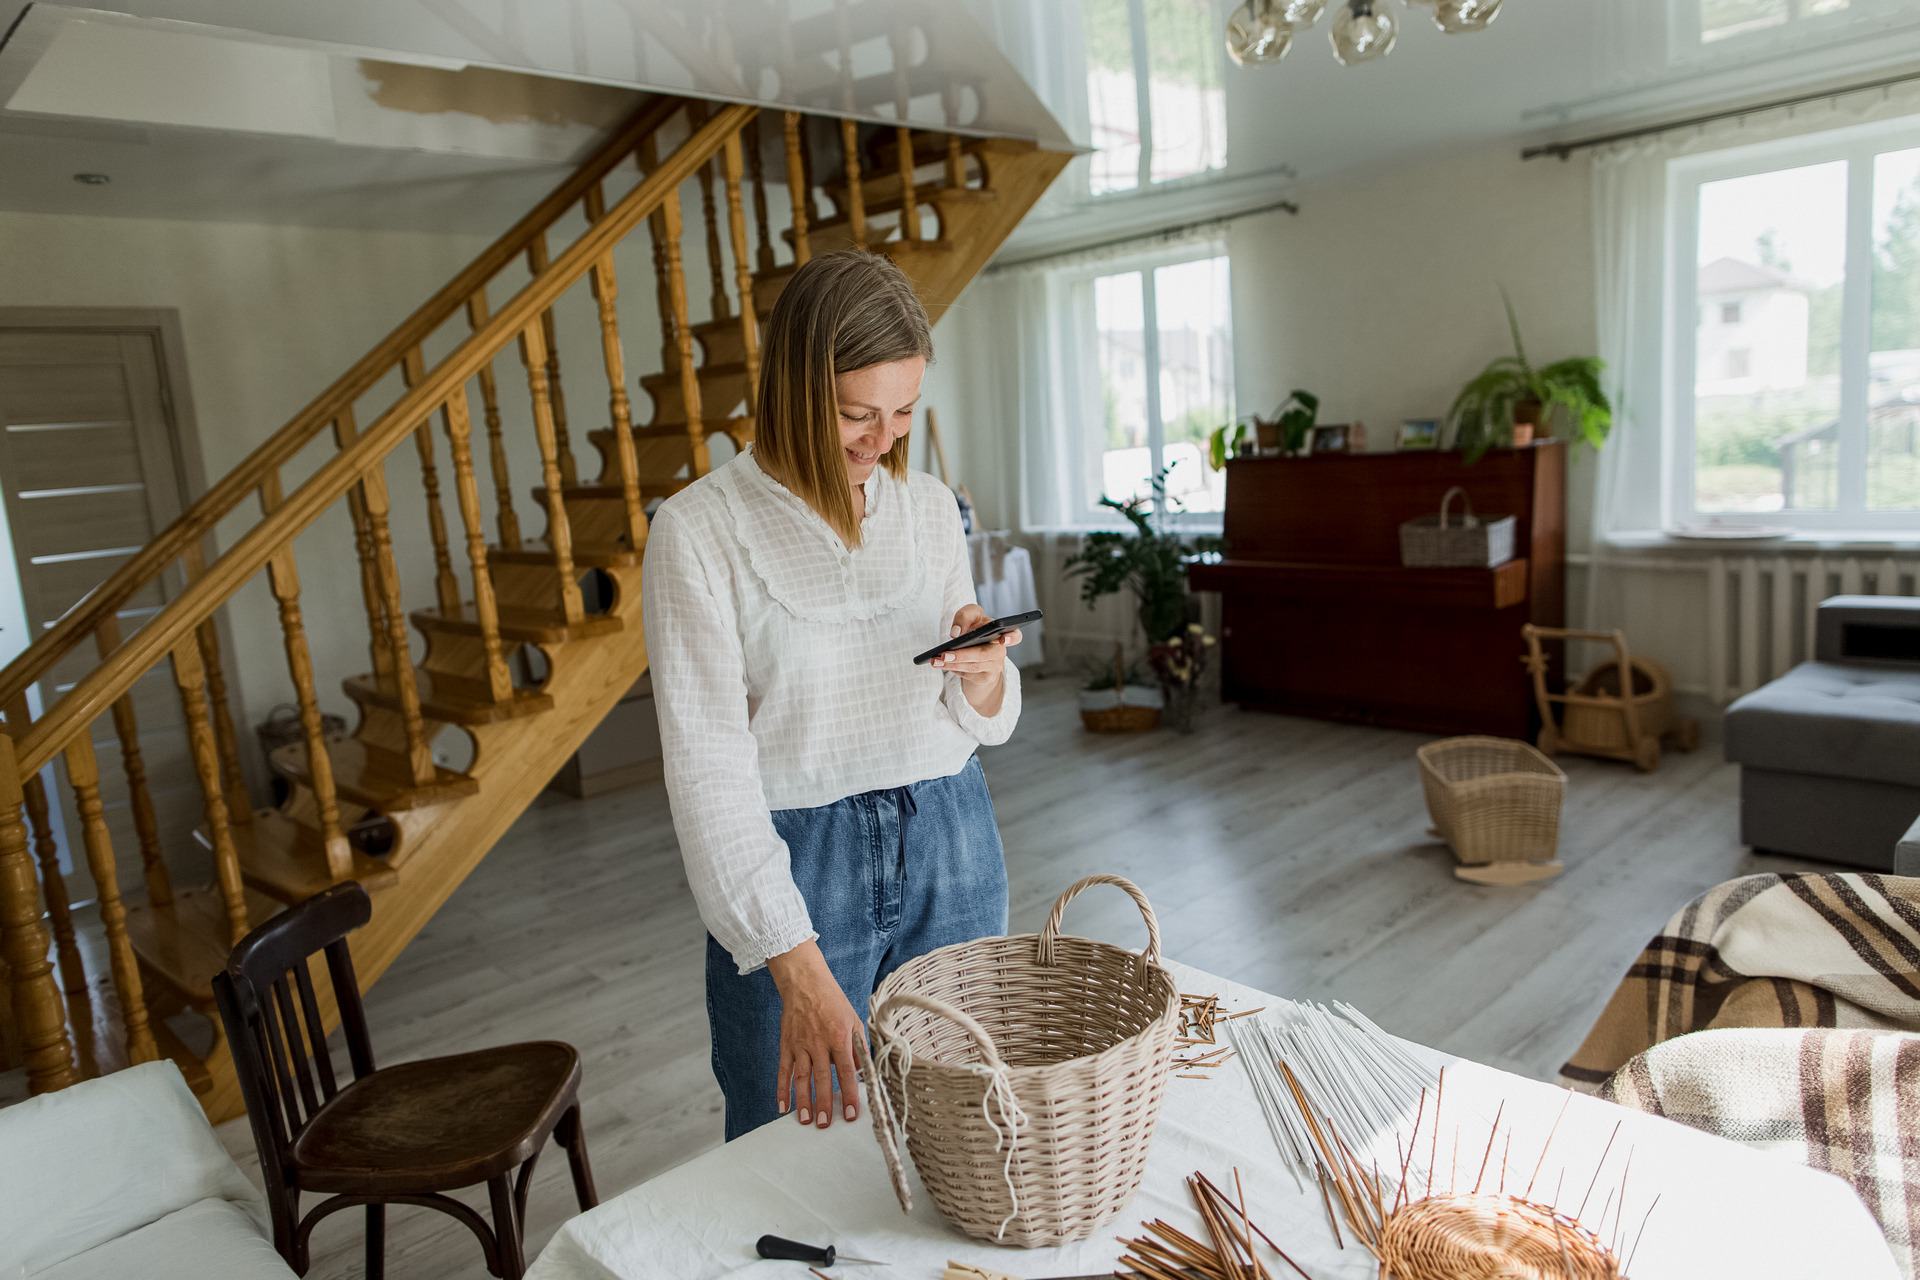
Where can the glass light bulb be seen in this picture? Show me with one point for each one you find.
(1301, 14)
(1363, 30)
(1258, 32)
(1457, 16)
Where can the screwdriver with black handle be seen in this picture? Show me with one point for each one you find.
(793, 1250)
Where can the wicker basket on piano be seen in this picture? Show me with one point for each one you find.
(1028, 1073)
(1464, 542)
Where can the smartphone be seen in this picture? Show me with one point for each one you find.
(979, 635)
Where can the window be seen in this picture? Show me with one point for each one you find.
(1725, 19)
(1154, 94)
(1803, 403)
(1163, 386)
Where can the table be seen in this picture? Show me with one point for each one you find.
(1003, 584)
(1724, 1210)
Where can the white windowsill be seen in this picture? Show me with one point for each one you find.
(1808, 542)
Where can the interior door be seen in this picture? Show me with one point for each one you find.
(91, 469)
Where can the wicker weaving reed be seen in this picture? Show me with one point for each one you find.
(1028, 1073)
(1490, 1237)
(1493, 799)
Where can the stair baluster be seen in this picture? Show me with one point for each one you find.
(743, 273)
(856, 196)
(83, 773)
(146, 824)
(191, 679)
(446, 588)
(284, 579)
(909, 201)
(533, 354)
(683, 340)
(467, 491)
(556, 399)
(797, 189)
(46, 848)
(509, 522)
(606, 292)
(417, 750)
(344, 434)
(657, 236)
(716, 265)
(956, 164)
(224, 736)
(39, 1014)
(763, 256)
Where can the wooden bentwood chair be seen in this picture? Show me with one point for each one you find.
(401, 1135)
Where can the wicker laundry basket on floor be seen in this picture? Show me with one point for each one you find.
(1028, 1074)
(1496, 801)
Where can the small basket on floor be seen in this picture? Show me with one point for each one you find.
(1496, 801)
(1028, 1074)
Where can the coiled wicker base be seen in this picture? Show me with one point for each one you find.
(1028, 1073)
(1490, 1237)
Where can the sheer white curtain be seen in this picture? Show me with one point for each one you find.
(1633, 262)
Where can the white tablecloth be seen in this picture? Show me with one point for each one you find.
(1003, 584)
(1724, 1210)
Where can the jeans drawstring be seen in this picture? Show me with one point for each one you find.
(903, 800)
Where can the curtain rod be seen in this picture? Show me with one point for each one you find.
(1565, 149)
(1134, 237)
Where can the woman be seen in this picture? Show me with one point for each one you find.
(831, 812)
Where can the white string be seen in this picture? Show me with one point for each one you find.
(999, 1091)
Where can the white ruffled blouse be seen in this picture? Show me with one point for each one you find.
(784, 679)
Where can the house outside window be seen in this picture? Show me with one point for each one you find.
(1156, 101)
(1799, 403)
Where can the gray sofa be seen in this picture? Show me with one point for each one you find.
(1829, 753)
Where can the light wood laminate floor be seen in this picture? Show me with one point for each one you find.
(1287, 854)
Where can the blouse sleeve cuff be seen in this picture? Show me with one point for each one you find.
(755, 953)
(988, 731)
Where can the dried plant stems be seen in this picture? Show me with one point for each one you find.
(1168, 1253)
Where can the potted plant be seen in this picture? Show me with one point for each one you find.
(1149, 561)
(1180, 663)
(1510, 399)
(1286, 433)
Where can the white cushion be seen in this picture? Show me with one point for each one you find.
(213, 1238)
(105, 1158)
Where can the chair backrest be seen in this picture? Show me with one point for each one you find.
(273, 1018)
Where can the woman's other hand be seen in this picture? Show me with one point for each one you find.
(982, 668)
(817, 1026)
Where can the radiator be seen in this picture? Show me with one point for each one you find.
(1760, 608)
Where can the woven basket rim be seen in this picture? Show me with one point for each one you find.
(1433, 751)
(1154, 971)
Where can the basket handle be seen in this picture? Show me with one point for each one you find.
(883, 1129)
(1043, 951)
(1467, 521)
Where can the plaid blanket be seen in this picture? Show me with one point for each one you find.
(1847, 1102)
(1767, 951)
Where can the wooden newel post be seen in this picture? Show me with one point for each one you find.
(38, 1010)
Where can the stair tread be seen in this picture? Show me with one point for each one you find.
(284, 859)
(671, 378)
(592, 555)
(452, 702)
(668, 430)
(873, 206)
(366, 779)
(186, 942)
(531, 626)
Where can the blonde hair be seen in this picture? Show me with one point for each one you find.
(840, 312)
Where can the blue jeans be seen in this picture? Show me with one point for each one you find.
(887, 876)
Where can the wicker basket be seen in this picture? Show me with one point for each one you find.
(1027, 1073)
(1471, 542)
(1493, 799)
(1122, 716)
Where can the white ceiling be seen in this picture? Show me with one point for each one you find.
(457, 113)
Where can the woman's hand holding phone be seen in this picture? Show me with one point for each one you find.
(982, 669)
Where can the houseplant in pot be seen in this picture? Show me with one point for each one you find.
(1509, 400)
(1286, 433)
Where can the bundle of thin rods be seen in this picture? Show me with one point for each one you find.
(1168, 1253)
(1363, 1080)
(1198, 1015)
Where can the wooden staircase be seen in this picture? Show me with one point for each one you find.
(373, 805)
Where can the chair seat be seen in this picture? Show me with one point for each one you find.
(439, 1123)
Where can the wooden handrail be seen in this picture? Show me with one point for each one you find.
(240, 483)
(97, 691)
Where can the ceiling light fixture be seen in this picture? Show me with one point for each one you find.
(92, 179)
(1262, 31)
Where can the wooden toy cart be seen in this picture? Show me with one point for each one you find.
(1597, 720)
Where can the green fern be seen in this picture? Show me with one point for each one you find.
(1482, 414)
